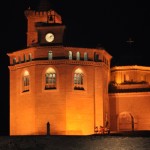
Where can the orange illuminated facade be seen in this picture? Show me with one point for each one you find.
(129, 95)
(72, 88)
(65, 86)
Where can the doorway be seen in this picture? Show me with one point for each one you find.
(125, 121)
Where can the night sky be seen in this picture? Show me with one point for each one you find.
(105, 23)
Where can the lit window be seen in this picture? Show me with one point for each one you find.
(85, 56)
(78, 79)
(77, 56)
(70, 55)
(50, 79)
(26, 81)
(50, 55)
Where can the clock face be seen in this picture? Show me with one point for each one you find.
(49, 37)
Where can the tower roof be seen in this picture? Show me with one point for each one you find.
(43, 5)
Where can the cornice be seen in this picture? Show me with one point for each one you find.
(129, 94)
(135, 67)
(55, 62)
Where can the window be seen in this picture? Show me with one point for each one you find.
(126, 77)
(50, 79)
(96, 57)
(26, 81)
(14, 61)
(30, 57)
(50, 18)
(24, 58)
(85, 56)
(50, 55)
(78, 56)
(70, 55)
(78, 79)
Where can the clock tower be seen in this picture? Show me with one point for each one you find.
(44, 26)
(66, 87)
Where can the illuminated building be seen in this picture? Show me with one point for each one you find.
(129, 95)
(65, 86)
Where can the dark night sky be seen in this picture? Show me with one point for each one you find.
(107, 23)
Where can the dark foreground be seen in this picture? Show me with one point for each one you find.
(113, 141)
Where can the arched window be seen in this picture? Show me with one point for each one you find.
(26, 81)
(78, 56)
(85, 56)
(50, 79)
(50, 55)
(70, 55)
(78, 79)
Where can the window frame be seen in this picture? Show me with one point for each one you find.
(50, 79)
(79, 79)
(25, 81)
